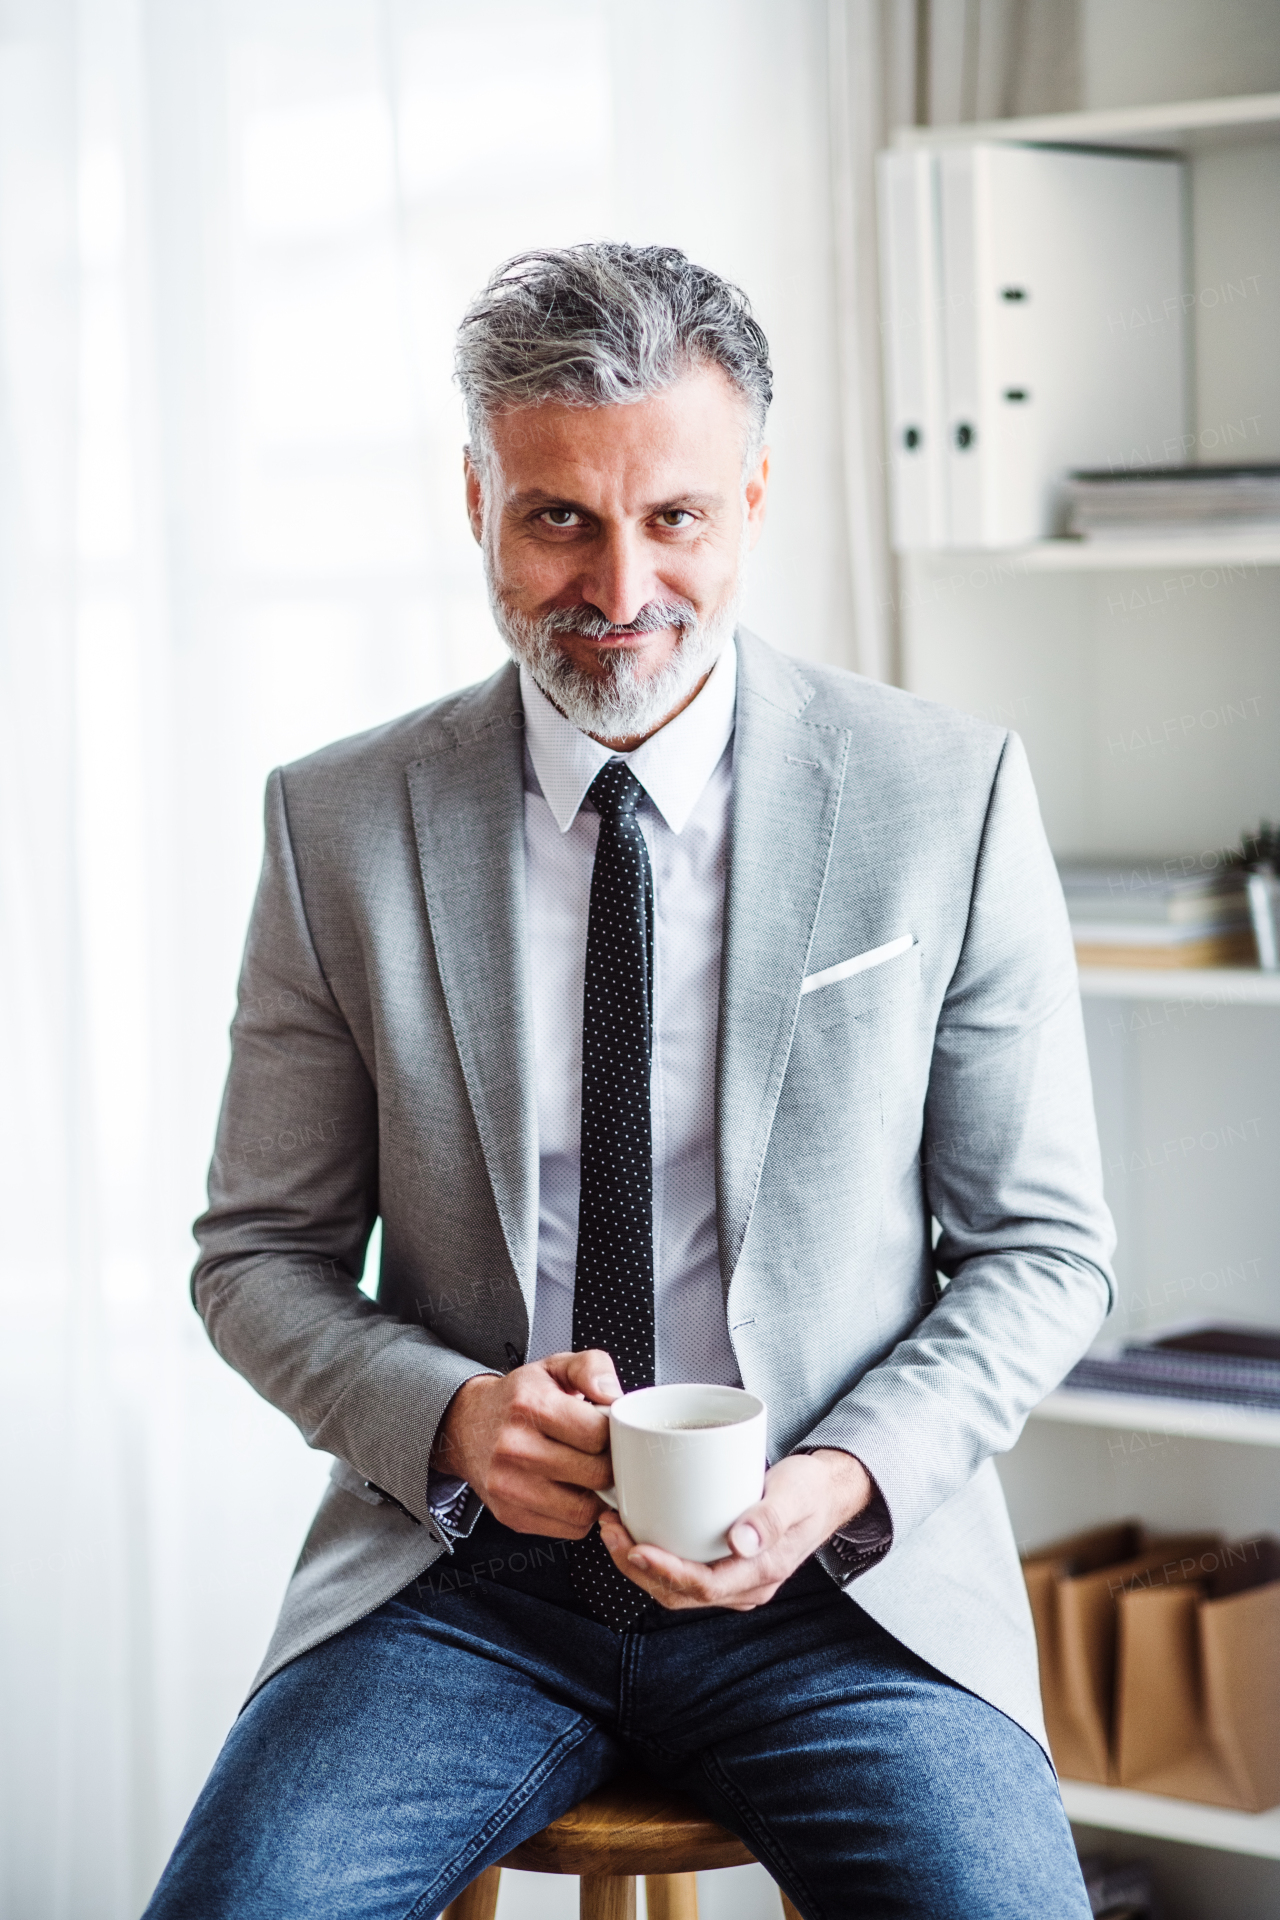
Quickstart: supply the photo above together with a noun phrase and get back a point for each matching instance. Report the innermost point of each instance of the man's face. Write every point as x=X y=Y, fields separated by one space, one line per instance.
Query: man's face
x=614 y=539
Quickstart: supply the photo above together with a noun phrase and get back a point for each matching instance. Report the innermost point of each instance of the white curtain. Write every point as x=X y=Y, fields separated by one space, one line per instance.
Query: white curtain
x=235 y=237
x=992 y=59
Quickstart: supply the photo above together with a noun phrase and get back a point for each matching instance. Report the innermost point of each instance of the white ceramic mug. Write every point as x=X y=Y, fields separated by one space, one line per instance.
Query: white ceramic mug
x=687 y=1461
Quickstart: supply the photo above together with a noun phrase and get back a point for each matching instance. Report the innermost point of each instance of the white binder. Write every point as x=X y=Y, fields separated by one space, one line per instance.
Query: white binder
x=1062 y=334
x=912 y=348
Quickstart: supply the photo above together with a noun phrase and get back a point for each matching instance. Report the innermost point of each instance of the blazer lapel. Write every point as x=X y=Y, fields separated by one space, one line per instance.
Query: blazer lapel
x=467 y=796
x=788 y=778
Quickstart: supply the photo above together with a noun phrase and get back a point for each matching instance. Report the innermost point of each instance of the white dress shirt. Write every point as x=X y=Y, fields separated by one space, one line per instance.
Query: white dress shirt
x=686 y=771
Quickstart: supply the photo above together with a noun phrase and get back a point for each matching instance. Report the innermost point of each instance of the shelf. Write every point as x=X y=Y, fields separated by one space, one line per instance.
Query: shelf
x=1123 y=1811
x=1183 y=986
x=1172 y=554
x=1148 y=1413
x=1185 y=127
x=1172 y=551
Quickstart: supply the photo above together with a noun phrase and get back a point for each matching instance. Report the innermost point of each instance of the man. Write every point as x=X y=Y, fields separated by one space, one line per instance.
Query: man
x=659 y=995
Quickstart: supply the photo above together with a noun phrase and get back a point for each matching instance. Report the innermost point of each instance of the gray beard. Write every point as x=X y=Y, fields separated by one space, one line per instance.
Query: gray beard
x=622 y=700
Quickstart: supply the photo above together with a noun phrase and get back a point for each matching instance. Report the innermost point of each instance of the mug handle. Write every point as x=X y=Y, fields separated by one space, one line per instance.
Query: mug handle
x=610 y=1497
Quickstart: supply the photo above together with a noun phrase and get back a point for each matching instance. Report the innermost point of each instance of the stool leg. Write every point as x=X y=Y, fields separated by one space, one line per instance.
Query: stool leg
x=479 y=1901
x=671 y=1896
x=607 y=1896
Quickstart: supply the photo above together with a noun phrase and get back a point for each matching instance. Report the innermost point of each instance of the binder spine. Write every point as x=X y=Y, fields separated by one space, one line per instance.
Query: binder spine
x=1026 y=331
x=912 y=347
x=968 y=454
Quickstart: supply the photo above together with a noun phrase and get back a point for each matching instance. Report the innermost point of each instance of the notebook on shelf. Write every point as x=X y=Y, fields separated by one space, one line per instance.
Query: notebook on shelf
x=1173 y=502
x=1228 y=1365
x=1150 y=911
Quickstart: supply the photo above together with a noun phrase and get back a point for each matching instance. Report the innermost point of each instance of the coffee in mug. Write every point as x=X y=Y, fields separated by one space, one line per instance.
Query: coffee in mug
x=687 y=1462
x=693 y=1426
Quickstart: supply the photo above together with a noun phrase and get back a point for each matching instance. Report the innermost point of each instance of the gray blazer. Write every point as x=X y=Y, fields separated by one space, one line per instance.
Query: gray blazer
x=383 y=1065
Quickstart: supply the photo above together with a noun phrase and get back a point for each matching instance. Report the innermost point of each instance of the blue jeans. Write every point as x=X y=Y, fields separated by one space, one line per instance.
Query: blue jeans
x=378 y=1774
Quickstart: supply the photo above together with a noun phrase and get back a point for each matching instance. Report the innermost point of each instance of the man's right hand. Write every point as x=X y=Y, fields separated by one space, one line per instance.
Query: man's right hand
x=534 y=1443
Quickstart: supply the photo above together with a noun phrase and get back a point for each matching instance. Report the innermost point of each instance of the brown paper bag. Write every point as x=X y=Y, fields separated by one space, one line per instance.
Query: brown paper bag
x=1073 y=1587
x=1198 y=1681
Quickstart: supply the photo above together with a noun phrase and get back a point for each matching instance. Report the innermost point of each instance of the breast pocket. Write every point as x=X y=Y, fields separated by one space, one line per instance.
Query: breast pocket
x=857 y=963
x=864 y=996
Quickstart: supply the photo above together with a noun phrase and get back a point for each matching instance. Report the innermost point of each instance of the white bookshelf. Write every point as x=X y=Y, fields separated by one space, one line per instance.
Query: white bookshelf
x=1172 y=552
x=1189 y=1821
x=1049 y=640
x=1189 y=126
x=1150 y=1413
x=1205 y=987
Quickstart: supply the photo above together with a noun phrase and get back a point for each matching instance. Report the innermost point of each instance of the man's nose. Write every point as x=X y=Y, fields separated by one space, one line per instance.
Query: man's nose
x=619 y=579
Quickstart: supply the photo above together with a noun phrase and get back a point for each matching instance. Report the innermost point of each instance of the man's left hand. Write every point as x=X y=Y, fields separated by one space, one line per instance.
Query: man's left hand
x=807 y=1497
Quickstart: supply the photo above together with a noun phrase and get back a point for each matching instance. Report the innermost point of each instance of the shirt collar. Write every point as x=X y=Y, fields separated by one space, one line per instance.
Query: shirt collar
x=673 y=765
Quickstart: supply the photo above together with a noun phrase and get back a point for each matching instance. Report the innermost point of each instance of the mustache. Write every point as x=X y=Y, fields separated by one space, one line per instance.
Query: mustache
x=591 y=624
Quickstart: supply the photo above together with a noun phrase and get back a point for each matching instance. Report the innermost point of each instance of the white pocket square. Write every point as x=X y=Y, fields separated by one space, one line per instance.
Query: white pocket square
x=873 y=957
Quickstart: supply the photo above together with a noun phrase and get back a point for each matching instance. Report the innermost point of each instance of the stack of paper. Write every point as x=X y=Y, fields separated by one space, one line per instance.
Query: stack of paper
x=1238 y=1367
x=1156 y=502
x=1151 y=912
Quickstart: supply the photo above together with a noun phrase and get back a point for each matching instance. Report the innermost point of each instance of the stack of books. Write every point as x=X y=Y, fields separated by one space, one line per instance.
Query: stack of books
x=1233 y=1366
x=1149 y=912
x=1156 y=502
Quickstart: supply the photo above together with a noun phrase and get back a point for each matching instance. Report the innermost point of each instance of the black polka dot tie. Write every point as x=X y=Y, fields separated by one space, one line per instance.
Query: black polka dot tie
x=613 y=1277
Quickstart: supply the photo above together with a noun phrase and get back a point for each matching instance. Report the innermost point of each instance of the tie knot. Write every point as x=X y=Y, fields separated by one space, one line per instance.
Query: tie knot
x=615 y=793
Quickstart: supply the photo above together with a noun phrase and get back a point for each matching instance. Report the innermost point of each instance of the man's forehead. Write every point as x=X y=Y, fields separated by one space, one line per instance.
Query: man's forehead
x=698 y=422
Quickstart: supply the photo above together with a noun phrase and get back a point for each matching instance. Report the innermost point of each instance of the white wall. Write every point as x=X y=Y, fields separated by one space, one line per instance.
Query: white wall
x=723 y=151
x=1138 y=52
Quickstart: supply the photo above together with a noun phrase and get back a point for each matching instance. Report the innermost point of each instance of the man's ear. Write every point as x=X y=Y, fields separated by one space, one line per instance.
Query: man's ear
x=475 y=496
x=757 y=493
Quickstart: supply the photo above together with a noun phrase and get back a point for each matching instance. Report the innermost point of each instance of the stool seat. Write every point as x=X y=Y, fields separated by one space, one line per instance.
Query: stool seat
x=631 y=1826
x=624 y=1829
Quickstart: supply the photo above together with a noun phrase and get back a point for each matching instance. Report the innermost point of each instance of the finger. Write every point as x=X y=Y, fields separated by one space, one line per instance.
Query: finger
x=547 y=1459
x=540 y=1403
x=540 y=1506
x=678 y=1595
x=620 y=1546
x=541 y=1526
x=526 y=1441
x=710 y=1585
x=673 y=1581
x=592 y=1373
x=574 y=1423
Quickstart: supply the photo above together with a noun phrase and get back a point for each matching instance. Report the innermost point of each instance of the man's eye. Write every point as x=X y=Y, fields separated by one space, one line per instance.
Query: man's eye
x=560 y=517
x=675 y=517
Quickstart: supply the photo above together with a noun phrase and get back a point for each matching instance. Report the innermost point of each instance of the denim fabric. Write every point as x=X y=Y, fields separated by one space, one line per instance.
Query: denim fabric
x=376 y=1775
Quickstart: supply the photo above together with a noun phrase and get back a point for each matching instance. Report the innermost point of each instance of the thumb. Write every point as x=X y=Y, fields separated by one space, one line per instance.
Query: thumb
x=759 y=1527
x=591 y=1373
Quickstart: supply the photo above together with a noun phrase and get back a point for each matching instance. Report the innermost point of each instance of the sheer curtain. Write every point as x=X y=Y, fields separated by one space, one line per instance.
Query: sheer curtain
x=235 y=237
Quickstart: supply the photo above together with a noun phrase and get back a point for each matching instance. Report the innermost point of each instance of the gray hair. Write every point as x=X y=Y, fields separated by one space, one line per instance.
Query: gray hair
x=604 y=324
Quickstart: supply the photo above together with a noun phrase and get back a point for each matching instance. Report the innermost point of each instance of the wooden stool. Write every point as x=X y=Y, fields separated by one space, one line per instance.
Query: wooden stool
x=625 y=1828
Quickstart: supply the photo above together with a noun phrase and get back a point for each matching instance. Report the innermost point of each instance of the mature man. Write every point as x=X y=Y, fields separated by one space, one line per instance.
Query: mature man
x=659 y=995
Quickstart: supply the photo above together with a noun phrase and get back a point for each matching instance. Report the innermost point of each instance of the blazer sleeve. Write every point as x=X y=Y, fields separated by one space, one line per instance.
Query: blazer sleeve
x=293 y=1195
x=1013 y=1176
